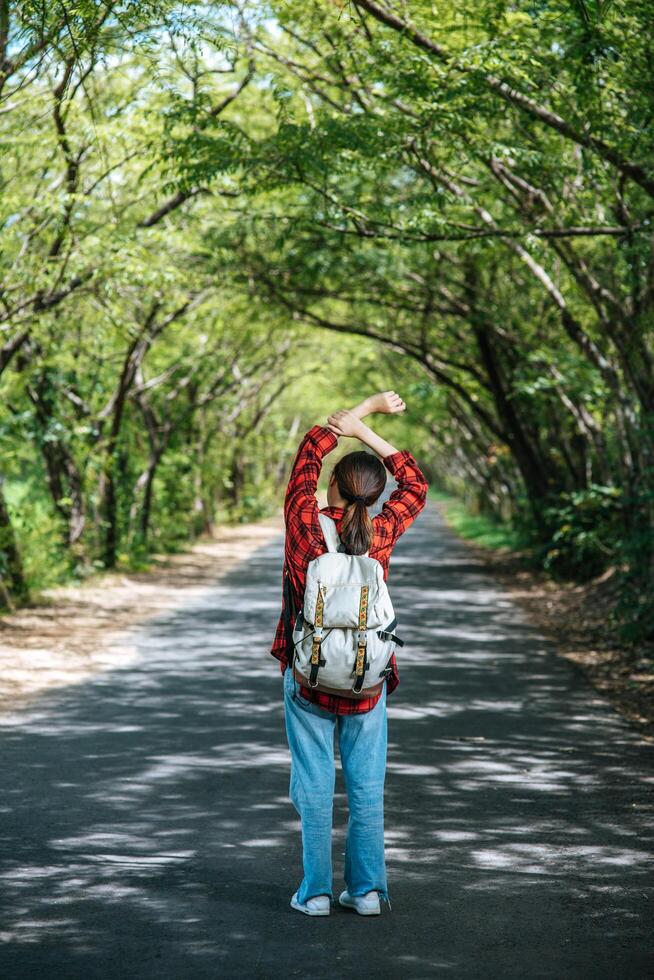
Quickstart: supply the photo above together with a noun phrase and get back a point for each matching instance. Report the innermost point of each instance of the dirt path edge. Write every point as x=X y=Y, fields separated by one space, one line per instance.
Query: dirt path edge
x=574 y=618
x=70 y=632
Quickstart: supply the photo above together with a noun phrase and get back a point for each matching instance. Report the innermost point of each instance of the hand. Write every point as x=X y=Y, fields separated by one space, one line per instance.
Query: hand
x=386 y=402
x=344 y=423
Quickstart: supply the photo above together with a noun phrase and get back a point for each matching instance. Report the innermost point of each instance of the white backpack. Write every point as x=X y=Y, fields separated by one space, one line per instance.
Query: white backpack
x=343 y=636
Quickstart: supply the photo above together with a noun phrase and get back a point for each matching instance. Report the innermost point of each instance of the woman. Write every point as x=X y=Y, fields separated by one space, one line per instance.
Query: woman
x=312 y=716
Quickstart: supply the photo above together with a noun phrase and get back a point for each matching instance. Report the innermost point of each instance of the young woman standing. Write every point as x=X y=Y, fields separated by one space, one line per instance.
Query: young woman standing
x=312 y=716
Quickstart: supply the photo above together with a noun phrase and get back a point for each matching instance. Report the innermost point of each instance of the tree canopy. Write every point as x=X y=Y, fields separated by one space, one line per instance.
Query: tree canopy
x=222 y=219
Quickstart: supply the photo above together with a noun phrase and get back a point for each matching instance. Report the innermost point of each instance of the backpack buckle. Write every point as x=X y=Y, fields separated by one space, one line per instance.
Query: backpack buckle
x=362 y=638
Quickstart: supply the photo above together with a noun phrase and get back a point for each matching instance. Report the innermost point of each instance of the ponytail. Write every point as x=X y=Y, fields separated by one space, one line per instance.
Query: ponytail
x=361 y=478
x=356 y=528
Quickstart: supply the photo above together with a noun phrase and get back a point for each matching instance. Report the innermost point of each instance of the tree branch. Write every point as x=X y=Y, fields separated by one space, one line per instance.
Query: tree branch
x=516 y=98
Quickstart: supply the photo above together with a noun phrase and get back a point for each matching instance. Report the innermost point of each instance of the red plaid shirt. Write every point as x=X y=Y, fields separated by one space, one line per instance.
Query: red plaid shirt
x=305 y=540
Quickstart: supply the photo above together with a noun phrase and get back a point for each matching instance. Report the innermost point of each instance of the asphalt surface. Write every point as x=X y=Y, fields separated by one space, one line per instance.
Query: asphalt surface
x=146 y=829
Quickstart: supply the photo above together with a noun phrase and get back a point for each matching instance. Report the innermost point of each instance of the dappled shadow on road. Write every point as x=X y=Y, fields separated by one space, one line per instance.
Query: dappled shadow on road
x=147 y=828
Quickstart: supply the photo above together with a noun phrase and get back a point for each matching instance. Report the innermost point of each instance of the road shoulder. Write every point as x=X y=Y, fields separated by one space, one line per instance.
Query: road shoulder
x=71 y=632
x=574 y=618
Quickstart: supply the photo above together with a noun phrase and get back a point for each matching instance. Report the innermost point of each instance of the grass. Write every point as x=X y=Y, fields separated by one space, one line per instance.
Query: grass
x=478 y=528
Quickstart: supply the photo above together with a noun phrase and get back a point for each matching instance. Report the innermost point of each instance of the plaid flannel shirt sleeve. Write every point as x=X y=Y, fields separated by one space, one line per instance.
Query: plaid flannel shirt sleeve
x=300 y=504
x=404 y=504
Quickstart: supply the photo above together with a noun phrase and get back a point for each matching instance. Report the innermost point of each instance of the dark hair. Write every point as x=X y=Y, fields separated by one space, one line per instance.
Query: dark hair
x=361 y=478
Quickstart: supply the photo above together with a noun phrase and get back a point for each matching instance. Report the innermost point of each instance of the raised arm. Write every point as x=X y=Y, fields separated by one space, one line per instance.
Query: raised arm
x=300 y=503
x=320 y=440
x=349 y=422
x=409 y=497
x=300 y=500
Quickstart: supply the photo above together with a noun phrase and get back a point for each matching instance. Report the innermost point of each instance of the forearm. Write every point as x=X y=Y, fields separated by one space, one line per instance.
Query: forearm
x=373 y=441
x=363 y=408
x=349 y=422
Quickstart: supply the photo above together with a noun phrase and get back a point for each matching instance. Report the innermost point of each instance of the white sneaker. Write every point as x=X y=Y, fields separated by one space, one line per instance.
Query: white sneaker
x=363 y=904
x=318 y=905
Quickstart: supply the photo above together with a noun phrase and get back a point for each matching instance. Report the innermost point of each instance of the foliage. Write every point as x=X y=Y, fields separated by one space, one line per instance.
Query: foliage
x=481 y=530
x=587 y=532
x=222 y=220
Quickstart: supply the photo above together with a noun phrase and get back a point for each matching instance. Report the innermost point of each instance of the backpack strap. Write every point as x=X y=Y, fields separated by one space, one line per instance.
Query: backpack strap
x=332 y=539
x=388 y=634
x=361 y=663
x=316 y=660
x=288 y=615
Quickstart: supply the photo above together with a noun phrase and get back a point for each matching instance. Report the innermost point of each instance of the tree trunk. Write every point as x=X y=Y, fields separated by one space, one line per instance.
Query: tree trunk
x=536 y=475
x=11 y=567
x=63 y=477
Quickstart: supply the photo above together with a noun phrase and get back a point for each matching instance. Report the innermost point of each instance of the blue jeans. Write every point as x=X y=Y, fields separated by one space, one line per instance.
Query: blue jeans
x=362 y=746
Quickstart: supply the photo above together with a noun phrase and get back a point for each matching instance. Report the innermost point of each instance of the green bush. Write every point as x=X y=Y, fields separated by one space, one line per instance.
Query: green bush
x=585 y=532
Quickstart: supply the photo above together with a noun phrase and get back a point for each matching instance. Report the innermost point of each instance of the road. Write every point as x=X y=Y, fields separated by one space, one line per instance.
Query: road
x=146 y=829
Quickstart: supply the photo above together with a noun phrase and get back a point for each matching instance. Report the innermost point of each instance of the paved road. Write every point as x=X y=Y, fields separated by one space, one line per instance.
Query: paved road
x=146 y=829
